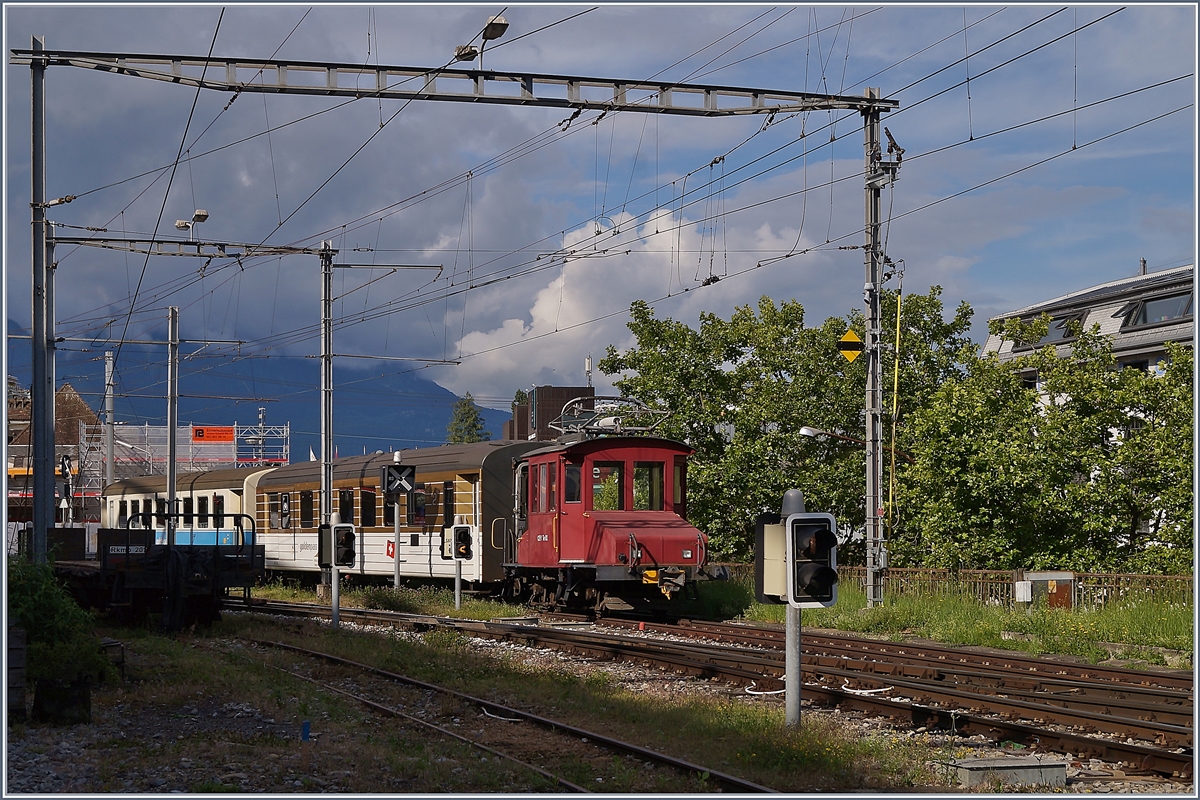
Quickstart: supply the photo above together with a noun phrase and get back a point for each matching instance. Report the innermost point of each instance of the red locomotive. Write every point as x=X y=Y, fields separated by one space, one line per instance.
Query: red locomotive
x=601 y=520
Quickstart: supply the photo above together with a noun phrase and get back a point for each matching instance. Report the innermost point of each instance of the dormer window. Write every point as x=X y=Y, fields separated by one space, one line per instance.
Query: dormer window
x=1157 y=310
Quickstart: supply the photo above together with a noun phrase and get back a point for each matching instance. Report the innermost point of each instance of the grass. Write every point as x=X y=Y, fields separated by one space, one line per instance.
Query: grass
x=359 y=752
x=1139 y=629
x=1136 y=627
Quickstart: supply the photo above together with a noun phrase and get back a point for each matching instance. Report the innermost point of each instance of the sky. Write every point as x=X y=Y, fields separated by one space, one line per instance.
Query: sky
x=1046 y=149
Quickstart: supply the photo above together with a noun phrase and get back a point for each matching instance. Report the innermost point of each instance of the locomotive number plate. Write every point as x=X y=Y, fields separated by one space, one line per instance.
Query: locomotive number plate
x=120 y=549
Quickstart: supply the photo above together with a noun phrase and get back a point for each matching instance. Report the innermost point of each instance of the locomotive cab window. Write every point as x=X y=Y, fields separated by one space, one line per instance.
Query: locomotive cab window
x=679 y=488
x=648 y=486
x=608 y=486
x=572 y=472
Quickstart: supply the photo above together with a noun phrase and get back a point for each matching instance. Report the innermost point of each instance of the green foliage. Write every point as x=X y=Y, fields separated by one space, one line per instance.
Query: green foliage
x=466 y=423
x=741 y=390
x=521 y=398
x=1090 y=471
x=60 y=642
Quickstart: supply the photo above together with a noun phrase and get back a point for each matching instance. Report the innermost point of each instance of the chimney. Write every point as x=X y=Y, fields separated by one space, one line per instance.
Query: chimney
x=1143 y=272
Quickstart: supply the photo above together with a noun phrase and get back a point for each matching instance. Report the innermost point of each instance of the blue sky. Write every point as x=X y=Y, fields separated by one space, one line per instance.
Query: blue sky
x=1019 y=185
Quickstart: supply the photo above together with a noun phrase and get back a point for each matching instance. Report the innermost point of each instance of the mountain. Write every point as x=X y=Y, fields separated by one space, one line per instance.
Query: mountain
x=373 y=409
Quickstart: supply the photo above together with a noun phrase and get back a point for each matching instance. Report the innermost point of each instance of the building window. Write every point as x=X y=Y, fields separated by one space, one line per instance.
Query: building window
x=1156 y=310
x=1058 y=331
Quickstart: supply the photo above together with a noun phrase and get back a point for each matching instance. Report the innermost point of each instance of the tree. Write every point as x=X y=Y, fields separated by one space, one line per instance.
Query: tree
x=740 y=390
x=521 y=398
x=1089 y=470
x=466 y=423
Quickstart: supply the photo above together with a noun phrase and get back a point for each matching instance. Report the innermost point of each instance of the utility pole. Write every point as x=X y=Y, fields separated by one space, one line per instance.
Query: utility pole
x=172 y=416
x=326 y=254
x=43 y=341
x=109 y=434
x=878 y=173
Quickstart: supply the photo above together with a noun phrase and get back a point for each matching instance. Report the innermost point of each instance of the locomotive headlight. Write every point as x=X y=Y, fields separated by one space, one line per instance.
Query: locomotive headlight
x=687 y=553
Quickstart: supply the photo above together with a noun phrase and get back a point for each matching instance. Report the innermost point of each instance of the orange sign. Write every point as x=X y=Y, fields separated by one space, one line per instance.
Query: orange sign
x=211 y=433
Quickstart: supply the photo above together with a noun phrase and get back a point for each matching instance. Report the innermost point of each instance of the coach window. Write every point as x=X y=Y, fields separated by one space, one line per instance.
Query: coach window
x=571 y=475
x=448 y=508
x=160 y=511
x=647 y=486
x=218 y=509
x=553 y=487
x=389 y=509
x=367 y=506
x=416 y=505
x=306 y=508
x=202 y=512
x=273 y=511
x=122 y=514
x=187 y=512
x=608 y=486
x=285 y=510
x=346 y=505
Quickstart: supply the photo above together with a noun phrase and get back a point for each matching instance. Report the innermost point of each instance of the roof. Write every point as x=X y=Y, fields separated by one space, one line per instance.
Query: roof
x=69 y=410
x=1138 y=285
x=425 y=459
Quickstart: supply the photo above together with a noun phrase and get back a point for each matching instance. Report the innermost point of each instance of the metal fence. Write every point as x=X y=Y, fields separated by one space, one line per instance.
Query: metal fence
x=998 y=587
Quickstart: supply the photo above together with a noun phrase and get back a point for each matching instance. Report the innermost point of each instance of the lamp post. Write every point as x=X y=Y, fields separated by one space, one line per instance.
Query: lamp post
x=495 y=28
x=200 y=215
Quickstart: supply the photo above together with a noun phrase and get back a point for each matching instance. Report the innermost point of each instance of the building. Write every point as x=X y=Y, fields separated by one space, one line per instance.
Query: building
x=546 y=403
x=1140 y=314
x=80 y=444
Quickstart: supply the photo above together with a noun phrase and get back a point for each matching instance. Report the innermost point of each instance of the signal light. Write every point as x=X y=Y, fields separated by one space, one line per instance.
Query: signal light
x=812 y=560
x=343 y=545
x=462 y=542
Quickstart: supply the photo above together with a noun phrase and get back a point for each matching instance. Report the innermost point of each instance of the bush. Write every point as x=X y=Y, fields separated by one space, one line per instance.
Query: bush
x=60 y=642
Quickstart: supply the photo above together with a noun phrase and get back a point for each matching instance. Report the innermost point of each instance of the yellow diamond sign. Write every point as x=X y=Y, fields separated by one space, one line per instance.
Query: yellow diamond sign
x=850 y=345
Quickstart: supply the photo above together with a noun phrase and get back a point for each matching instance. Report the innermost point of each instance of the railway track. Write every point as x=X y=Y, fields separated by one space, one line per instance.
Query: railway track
x=493 y=713
x=1142 y=719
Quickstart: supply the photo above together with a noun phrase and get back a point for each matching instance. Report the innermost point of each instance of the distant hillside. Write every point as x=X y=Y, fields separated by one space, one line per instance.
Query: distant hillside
x=373 y=409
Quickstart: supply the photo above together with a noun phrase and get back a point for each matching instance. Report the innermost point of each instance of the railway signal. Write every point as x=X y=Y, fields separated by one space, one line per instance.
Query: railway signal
x=343 y=547
x=323 y=559
x=811 y=560
x=397 y=478
x=462 y=542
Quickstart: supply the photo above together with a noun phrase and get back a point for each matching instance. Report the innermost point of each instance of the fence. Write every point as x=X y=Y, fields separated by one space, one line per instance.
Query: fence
x=997 y=587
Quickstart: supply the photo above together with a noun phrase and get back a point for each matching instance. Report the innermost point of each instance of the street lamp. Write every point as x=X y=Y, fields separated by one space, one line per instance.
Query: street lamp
x=149 y=453
x=817 y=432
x=200 y=215
x=495 y=28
